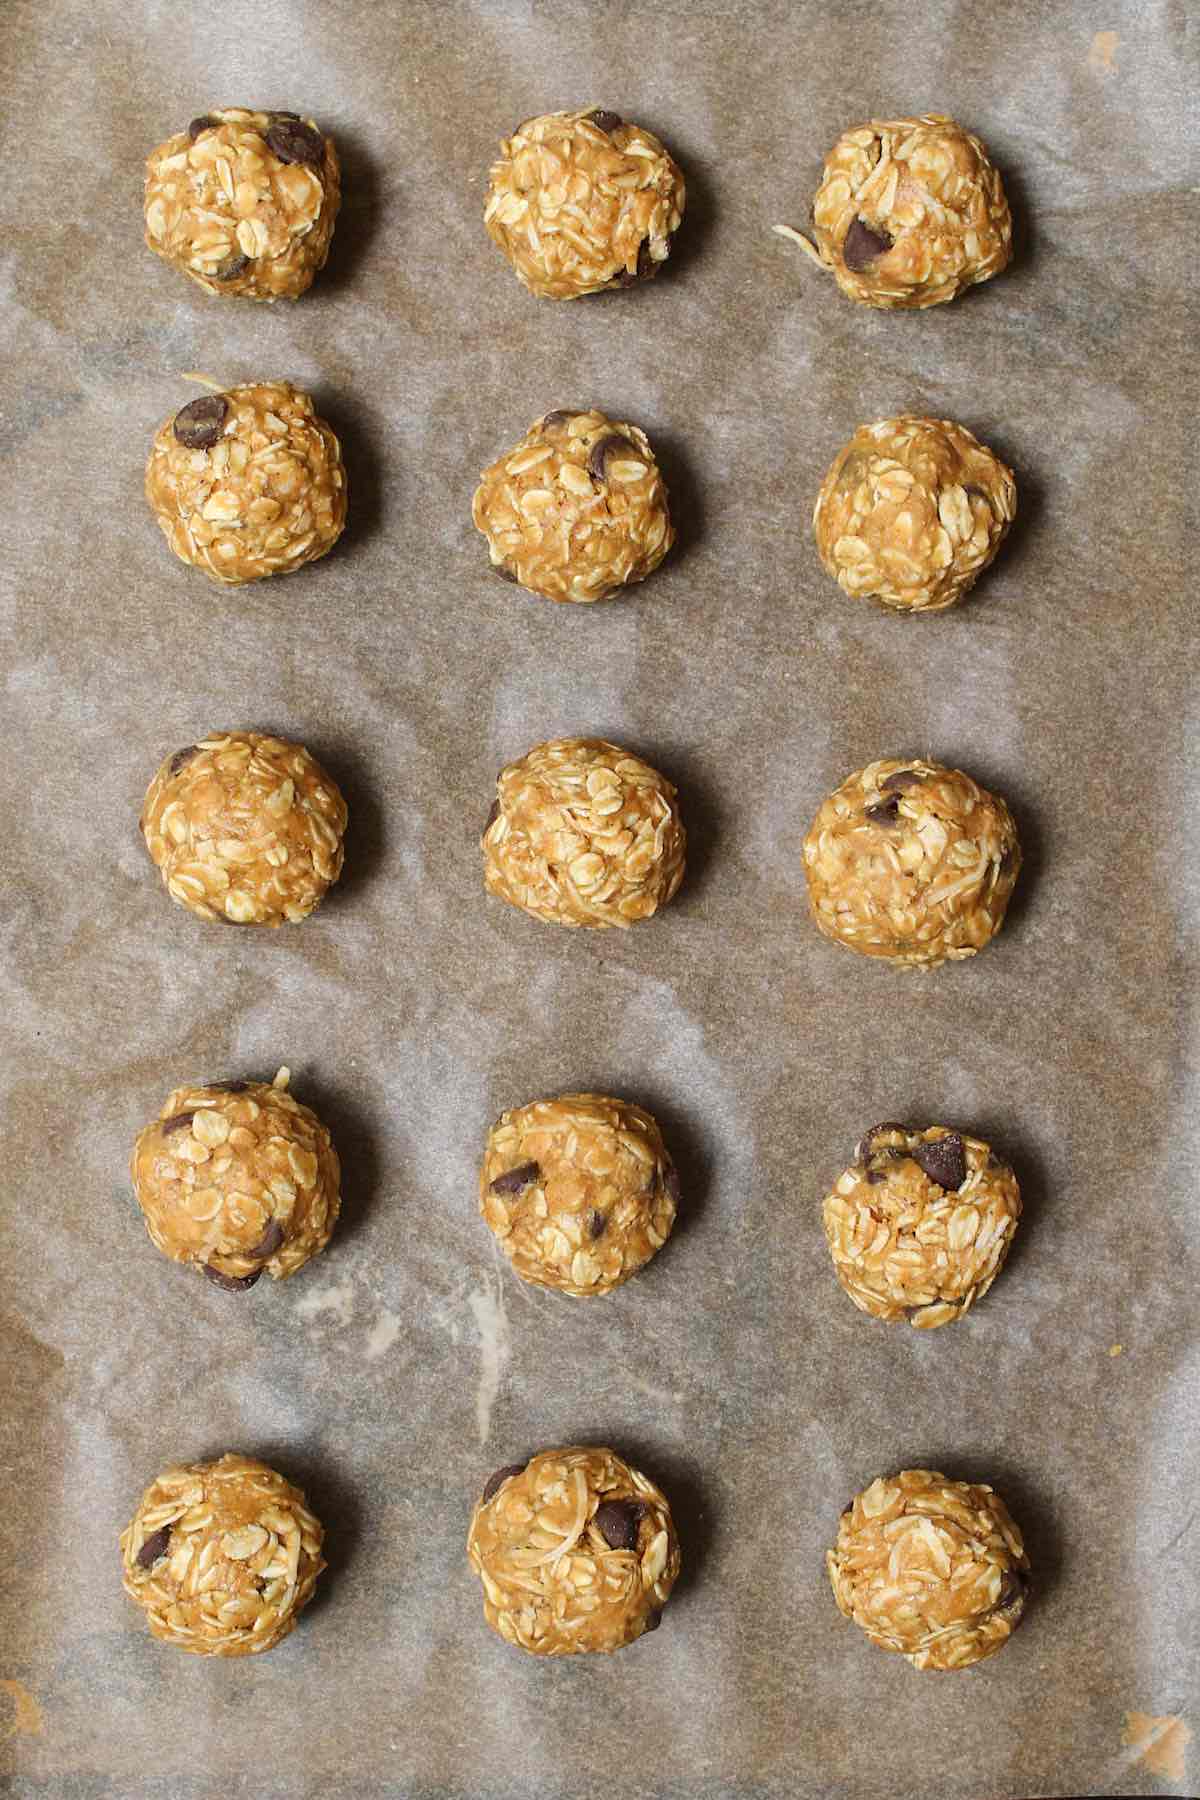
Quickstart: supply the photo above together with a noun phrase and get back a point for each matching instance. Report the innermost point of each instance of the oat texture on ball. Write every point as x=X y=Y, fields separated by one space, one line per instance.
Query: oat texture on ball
x=576 y=1551
x=931 y=1568
x=908 y=213
x=237 y=1179
x=580 y=201
x=920 y=1223
x=579 y=1190
x=222 y=1557
x=244 y=202
x=245 y=829
x=911 y=511
x=911 y=862
x=577 y=510
x=248 y=482
x=583 y=833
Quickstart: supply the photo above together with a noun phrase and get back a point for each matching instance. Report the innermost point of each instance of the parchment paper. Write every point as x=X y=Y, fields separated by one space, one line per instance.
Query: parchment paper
x=390 y=1377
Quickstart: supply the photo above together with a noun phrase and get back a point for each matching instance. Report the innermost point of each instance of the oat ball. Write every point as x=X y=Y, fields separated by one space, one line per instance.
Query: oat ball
x=583 y=833
x=578 y=510
x=245 y=829
x=920 y=1223
x=911 y=862
x=580 y=1191
x=244 y=202
x=222 y=1557
x=581 y=201
x=576 y=1552
x=911 y=512
x=932 y=1568
x=248 y=483
x=235 y=1177
x=909 y=213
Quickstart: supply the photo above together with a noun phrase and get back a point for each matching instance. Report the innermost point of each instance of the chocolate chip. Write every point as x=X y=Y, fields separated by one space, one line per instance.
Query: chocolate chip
x=1014 y=1591
x=943 y=1160
x=884 y=812
x=228 y=1087
x=647 y=267
x=154 y=1547
x=231 y=268
x=560 y=416
x=866 y=1143
x=504 y=572
x=602 y=449
x=292 y=141
x=672 y=1184
x=496 y=1481
x=513 y=1180
x=181 y=757
x=177 y=1122
x=232 y=1284
x=604 y=121
x=595 y=1222
x=617 y=1522
x=862 y=244
x=269 y=1242
x=198 y=424
x=901 y=781
x=205 y=122
x=653 y=1621
x=493 y=815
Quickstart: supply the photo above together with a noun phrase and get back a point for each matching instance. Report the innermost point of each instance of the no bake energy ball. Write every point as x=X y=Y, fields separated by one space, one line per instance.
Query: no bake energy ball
x=578 y=510
x=931 y=1568
x=235 y=1178
x=248 y=483
x=245 y=829
x=909 y=213
x=583 y=833
x=580 y=1191
x=580 y=201
x=244 y=202
x=222 y=1556
x=911 y=511
x=920 y=1223
x=576 y=1551
x=911 y=862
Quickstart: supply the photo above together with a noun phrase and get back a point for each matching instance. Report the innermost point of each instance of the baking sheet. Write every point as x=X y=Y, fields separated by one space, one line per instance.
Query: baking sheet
x=391 y=1376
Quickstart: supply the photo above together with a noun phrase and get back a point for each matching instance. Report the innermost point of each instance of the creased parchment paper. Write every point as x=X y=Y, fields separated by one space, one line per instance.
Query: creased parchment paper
x=391 y=1376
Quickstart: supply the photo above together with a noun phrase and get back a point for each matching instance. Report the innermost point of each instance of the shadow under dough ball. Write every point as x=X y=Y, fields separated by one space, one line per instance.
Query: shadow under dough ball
x=237 y=1179
x=248 y=483
x=576 y=1551
x=911 y=862
x=244 y=202
x=222 y=1557
x=580 y=201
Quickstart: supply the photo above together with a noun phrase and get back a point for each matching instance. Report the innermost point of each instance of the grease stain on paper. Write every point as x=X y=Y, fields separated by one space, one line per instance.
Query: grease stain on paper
x=1161 y=1743
x=491 y=1322
x=26 y=1716
x=1103 y=53
x=337 y=1299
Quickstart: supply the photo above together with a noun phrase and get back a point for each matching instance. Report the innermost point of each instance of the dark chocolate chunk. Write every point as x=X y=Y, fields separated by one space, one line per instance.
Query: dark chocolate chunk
x=944 y=1160
x=672 y=1184
x=513 y=1180
x=177 y=1122
x=493 y=815
x=602 y=449
x=558 y=417
x=182 y=757
x=269 y=1242
x=228 y=1087
x=595 y=1222
x=233 y=1284
x=205 y=122
x=154 y=1547
x=885 y=812
x=1014 y=1591
x=617 y=1522
x=198 y=424
x=647 y=267
x=231 y=268
x=866 y=1143
x=653 y=1621
x=496 y=1481
x=862 y=244
x=604 y=121
x=292 y=141
x=504 y=572
x=901 y=781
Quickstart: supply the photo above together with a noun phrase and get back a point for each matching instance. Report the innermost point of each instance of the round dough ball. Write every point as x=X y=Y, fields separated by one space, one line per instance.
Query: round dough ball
x=222 y=1557
x=248 y=483
x=244 y=828
x=580 y=1191
x=581 y=201
x=911 y=862
x=244 y=202
x=578 y=510
x=576 y=1552
x=583 y=833
x=911 y=511
x=235 y=1177
x=934 y=1569
x=920 y=1223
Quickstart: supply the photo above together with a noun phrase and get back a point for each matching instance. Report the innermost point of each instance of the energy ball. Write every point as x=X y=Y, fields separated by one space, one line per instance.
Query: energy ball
x=245 y=829
x=222 y=1557
x=581 y=201
x=920 y=1223
x=931 y=1568
x=911 y=862
x=235 y=1177
x=909 y=213
x=244 y=202
x=911 y=511
x=248 y=483
x=578 y=510
x=580 y=1191
x=576 y=1552
x=583 y=833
